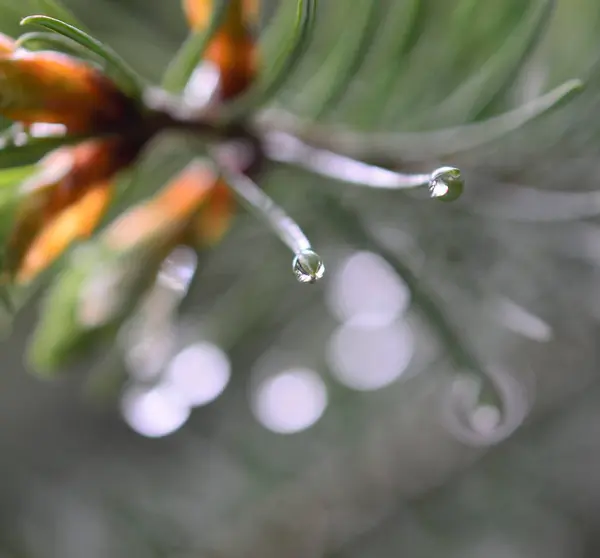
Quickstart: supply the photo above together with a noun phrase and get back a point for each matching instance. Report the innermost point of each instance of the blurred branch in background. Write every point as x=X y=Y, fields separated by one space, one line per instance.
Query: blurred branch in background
x=240 y=414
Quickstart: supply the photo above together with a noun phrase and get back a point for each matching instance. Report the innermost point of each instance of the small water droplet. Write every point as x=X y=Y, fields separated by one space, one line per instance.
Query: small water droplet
x=308 y=266
x=446 y=184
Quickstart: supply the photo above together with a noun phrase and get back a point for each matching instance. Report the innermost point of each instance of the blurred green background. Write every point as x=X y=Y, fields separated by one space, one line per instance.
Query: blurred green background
x=320 y=425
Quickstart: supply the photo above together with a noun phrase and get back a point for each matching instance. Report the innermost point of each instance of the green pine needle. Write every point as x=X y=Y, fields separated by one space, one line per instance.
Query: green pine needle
x=184 y=63
x=123 y=74
x=269 y=84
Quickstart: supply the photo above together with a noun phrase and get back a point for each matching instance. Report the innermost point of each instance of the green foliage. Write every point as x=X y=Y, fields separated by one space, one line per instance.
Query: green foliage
x=391 y=82
x=32 y=150
x=37 y=40
x=72 y=323
x=184 y=63
x=290 y=51
x=288 y=41
x=116 y=67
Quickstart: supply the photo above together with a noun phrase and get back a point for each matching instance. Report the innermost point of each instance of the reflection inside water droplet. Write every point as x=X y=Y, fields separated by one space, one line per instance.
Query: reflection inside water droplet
x=308 y=266
x=446 y=184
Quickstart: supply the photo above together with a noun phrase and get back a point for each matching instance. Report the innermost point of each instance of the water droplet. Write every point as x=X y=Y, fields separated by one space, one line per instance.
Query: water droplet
x=308 y=266
x=446 y=184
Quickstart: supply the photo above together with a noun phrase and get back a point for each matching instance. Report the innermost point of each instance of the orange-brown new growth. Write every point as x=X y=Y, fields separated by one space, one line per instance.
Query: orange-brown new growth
x=236 y=61
x=76 y=222
x=240 y=14
x=215 y=219
x=64 y=202
x=54 y=88
x=85 y=164
x=166 y=216
x=233 y=49
x=7 y=44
